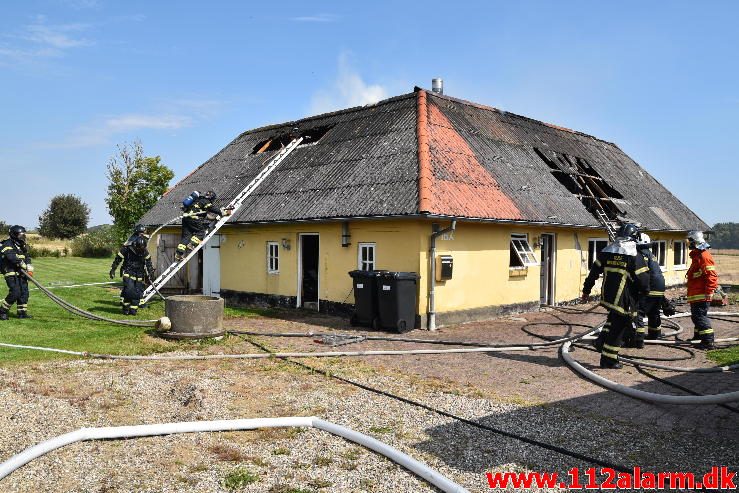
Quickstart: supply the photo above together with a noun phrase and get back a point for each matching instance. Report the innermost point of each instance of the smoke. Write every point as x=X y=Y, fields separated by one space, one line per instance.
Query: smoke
x=349 y=89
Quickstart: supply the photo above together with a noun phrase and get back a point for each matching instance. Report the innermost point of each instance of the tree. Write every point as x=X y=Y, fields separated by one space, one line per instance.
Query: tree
x=4 y=227
x=725 y=235
x=66 y=217
x=136 y=182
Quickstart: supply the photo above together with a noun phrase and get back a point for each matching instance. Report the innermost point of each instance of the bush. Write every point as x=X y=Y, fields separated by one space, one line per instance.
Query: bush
x=66 y=217
x=100 y=243
x=36 y=252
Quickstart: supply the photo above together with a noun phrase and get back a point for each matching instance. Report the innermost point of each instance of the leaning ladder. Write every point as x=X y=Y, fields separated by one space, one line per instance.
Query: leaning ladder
x=607 y=223
x=234 y=205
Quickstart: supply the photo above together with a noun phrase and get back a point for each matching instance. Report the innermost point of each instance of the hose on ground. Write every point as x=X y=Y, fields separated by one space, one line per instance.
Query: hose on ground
x=124 y=432
x=83 y=313
x=440 y=412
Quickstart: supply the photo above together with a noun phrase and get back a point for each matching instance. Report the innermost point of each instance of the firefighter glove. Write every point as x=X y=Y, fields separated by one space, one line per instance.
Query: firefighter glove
x=112 y=273
x=668 y=307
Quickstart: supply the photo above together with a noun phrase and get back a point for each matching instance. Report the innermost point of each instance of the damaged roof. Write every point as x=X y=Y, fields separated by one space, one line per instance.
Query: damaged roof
x=426 y=154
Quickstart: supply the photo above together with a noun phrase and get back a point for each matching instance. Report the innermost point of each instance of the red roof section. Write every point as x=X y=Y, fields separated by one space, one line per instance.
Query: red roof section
x=451 y=179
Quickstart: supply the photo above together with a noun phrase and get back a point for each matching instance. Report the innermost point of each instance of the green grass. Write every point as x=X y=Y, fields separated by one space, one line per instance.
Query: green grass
x=238 y=478
x=53 y=326
x=725 y=356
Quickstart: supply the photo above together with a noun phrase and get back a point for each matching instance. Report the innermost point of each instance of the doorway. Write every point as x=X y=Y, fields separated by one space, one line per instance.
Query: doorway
x=308 y=271
x=548 y=258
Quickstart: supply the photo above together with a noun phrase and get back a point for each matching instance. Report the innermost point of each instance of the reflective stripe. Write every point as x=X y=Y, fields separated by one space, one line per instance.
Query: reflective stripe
x=641 y=330
x=609 y=355
x=697 y=297
x=195 y=240
x=697 y=274
x=616 y=308
x=706 y=331
x=612 y=349
x=656 y=293
x=9 y=274
x=6 y=249
x=643 y=269
x=709 y=267
x=4 y=305
x=655 y=329
x=120 y=255
x=597 y=262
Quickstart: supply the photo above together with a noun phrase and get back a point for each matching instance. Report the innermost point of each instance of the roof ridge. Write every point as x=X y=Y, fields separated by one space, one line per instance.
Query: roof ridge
x=498 y=110
x=352 y=109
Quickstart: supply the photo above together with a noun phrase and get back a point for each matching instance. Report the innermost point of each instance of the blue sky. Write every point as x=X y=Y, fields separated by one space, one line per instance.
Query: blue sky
x=77 y=77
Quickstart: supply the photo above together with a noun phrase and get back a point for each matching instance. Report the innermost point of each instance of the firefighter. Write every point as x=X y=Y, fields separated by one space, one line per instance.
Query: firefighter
x=625 y=278
x=199 y=213
x=654 y=301
x=14 y=259
x=138 y=231
x=702 y=282
x=136 y=268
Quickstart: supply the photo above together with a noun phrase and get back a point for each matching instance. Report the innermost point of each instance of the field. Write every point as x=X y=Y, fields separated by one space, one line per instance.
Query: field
x=53 y=326
x=727 y=266
x=39 y=241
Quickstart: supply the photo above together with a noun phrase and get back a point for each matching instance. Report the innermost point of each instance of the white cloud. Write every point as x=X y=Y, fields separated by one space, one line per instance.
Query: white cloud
x=43 y=40
x=316 y=18
x=349 y=89
x=173 y=114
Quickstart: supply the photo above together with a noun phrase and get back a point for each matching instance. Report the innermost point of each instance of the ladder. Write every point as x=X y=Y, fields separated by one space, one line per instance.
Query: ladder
x=234 y=205
x=607 y=223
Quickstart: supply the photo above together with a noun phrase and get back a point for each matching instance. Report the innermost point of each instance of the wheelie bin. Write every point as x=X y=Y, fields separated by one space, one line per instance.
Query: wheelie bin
x=397 y=296
x=365 y=297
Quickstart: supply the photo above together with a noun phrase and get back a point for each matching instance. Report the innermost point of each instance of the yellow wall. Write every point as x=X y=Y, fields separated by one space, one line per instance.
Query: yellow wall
x=481 y=252
x=244 y=255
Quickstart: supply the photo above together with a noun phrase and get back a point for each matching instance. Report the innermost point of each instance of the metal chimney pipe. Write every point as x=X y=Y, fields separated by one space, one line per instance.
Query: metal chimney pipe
x=437 y=85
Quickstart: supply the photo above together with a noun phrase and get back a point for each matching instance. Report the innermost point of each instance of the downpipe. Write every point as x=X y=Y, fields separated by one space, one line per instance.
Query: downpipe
x=432 y=276
x=124 y=432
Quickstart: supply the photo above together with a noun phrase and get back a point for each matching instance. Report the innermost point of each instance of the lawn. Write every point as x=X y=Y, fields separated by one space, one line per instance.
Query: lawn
x=52 y=326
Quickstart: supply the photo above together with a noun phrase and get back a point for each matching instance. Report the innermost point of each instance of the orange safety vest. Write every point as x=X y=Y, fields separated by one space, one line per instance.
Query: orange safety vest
x=702 y=276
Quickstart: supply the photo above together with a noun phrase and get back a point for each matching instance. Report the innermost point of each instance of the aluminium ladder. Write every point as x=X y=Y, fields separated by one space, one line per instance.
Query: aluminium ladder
x=234 y=205
x=607 y=223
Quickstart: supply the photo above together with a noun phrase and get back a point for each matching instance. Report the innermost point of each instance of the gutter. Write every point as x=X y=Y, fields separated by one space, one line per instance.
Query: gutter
x=432 y=275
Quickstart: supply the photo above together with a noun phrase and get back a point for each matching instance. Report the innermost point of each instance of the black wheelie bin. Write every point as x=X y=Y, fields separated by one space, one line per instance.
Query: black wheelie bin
x=397 y=298
x=365 y=297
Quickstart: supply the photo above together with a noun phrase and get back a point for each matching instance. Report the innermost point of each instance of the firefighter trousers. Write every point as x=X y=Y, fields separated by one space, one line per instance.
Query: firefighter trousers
x=17 y=293
x=192 y=234
x=610 y=338
x=133 y=289
x=699 y=315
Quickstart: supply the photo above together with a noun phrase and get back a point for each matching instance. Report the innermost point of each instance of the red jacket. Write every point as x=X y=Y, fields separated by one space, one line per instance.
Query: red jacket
x=702 y=276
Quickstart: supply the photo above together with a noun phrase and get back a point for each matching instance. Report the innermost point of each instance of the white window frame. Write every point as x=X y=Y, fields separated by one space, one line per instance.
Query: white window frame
x=273 y=257
x=593 y=247
x=520 y=246
x=683 y=265
x=361 y=263
x=660 y=246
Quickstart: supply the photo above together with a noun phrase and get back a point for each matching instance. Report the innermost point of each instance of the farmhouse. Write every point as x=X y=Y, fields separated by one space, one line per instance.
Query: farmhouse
x=369 y=186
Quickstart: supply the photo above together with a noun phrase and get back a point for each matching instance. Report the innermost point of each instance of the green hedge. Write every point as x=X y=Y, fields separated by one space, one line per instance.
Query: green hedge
x=100 y=243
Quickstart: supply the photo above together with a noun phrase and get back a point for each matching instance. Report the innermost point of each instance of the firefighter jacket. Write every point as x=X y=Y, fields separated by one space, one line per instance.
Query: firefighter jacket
x=13 y=257
x=702 y=276
x=625 y=277
x=135 y=265
x=656 y=279
x=201 y=213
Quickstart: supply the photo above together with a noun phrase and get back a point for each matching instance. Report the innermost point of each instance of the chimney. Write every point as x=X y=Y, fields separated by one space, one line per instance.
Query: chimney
x=437 y=85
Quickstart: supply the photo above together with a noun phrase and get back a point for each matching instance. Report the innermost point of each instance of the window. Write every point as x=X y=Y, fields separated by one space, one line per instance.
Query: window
x=679 y=259
x=521 y=253
x=366 y=256
x=658 y=250
x=273 y=257
x=594 y=248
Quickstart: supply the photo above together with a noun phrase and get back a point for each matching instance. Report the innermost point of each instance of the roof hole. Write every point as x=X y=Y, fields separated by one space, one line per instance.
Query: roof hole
x=277 y=142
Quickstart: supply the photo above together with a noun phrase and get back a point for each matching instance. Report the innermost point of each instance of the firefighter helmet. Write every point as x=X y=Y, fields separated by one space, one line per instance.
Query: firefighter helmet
x=696 y=240
x=628 y=231
x=210 y=195
x=644 y=239
x=18 y=233
x=139 y=229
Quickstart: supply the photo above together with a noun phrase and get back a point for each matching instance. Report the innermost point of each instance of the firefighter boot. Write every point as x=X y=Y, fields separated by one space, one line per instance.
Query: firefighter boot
x=3 y=314
x=598 y=343
x=609 y=363
x=24 y=314
x=706 y=342
x=126 y=309
x=133 y=311
x=654 y=333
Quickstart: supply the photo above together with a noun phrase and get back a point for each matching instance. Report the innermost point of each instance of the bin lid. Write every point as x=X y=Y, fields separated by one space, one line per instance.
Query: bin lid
x=366 y=274
x=410 y=276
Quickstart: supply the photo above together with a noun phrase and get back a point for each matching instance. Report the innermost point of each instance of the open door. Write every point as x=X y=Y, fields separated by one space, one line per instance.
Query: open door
x=212 y=267
x=308 y=271
x=547 y=269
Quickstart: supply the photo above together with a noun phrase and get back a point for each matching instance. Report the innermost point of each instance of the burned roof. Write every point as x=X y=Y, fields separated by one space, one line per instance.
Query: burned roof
x=426 y=154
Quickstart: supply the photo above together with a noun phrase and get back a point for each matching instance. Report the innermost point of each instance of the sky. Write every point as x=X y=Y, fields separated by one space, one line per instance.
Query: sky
x=79 y=77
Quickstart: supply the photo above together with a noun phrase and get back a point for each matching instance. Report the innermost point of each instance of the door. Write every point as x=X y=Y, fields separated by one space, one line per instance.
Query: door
x=308 y=272
x=548 y=250
x=212 y=267
x=166 y=247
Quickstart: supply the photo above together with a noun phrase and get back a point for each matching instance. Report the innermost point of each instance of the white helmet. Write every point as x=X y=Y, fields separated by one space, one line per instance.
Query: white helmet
x=644 y=239
x=696 y=240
